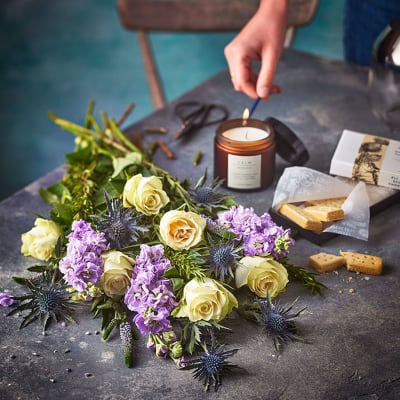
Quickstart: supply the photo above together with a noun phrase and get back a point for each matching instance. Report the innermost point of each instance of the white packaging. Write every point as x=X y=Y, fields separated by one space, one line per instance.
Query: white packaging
x=368 y=158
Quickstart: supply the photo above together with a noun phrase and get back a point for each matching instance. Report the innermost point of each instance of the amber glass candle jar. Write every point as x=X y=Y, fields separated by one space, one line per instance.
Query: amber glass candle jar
x=244 y=154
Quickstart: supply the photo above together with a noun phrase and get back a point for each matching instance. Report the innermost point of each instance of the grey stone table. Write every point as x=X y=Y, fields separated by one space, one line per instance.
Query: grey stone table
x=354 y=349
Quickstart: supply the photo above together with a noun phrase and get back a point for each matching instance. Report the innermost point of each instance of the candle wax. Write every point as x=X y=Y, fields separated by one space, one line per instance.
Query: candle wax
x=245 y=134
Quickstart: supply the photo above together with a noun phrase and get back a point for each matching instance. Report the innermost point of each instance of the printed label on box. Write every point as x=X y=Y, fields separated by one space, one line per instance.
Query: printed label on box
x=368 y=158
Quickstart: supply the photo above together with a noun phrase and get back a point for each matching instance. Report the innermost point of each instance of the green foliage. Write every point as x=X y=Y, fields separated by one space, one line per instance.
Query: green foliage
x=306 y=278
x=185 y=266
x=102 y=161
x=193 y=332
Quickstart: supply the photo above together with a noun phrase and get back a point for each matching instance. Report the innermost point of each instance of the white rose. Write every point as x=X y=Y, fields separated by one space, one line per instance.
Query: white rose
x=145 y=194
x=181 y=230
x=41 y=240
x=261 y=275
x=206 y=299
x=117 y=272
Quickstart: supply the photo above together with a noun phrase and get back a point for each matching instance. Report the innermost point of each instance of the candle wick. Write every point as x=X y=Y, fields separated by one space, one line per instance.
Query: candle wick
x=246 y=135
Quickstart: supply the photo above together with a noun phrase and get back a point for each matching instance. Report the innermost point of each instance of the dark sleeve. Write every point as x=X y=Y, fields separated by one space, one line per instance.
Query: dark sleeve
x=364 y=20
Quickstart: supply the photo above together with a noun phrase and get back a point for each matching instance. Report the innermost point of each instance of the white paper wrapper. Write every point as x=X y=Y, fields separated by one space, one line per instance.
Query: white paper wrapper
x=298 y=184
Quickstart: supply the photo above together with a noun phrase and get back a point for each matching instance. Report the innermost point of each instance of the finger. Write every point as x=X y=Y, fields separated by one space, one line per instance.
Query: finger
x=265 y=85
x=242 y=75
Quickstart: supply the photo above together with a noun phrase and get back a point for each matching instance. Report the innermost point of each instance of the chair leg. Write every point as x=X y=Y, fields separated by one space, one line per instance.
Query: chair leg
x=289 y=38
x=153 y=78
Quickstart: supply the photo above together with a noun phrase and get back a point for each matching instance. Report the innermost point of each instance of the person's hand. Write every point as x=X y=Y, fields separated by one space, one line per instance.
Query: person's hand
x=261 y=39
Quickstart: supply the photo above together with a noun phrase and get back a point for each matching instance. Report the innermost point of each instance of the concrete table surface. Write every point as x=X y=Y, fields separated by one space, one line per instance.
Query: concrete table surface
x=354 y=341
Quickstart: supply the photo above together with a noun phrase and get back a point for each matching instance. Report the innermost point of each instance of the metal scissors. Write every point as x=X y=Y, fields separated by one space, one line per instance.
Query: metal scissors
x=195 y=115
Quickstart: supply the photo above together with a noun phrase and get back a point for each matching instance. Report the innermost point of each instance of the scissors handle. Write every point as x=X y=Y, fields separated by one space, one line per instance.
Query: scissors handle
x=195 y=115
x=188 y=109
x=207 y=118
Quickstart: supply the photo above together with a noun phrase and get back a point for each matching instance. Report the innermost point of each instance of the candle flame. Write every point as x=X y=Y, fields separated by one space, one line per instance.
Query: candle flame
x=245 y=116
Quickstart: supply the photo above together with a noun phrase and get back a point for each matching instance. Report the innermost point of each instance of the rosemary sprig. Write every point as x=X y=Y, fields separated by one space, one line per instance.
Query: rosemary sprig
x=306 y=278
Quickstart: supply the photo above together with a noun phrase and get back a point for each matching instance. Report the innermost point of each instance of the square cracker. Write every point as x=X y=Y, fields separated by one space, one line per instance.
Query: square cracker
x=363 y=263
x=325 y=262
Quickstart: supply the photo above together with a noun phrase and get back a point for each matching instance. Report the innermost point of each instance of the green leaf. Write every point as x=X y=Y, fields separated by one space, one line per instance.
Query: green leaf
x=178 y=284
x=95 y=303
x=109 y=328
x=113 y=187
x=81 y=155
x=62 y=214
x=103 y=164
x=48 y=197
x=109 y=304
x=38 y=268
x=58 y=248
x=107 y=316
x=196 y=333
x=59 y=189
x=20 y=280
x=121 y=163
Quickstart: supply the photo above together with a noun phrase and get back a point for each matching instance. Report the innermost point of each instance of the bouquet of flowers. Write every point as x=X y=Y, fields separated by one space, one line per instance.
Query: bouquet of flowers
x=153 y=256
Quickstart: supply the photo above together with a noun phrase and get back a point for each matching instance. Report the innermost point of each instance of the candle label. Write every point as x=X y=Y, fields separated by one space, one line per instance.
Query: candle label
x=244 y=172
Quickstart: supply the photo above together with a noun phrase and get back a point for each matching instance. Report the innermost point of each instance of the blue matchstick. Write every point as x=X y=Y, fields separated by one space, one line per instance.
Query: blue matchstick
x=254 y=106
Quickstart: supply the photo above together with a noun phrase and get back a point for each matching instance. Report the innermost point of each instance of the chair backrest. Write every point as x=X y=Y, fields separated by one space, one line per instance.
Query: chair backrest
x=202 y=15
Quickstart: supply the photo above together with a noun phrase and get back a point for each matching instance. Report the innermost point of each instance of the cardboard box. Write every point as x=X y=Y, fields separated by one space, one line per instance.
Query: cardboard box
x=364 y=157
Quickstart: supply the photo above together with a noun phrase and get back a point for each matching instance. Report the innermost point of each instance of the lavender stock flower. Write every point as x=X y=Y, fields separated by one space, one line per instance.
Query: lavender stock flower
x=83 y=263
x=260 y=234
x=150 y=293
x=6 y=300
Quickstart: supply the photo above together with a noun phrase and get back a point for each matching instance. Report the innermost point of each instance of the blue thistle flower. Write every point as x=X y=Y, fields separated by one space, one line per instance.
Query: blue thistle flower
x=223 y=258
x=121 y=228
x=45 y=300
x=279 y=322
x=207 y=195
x=211 y=365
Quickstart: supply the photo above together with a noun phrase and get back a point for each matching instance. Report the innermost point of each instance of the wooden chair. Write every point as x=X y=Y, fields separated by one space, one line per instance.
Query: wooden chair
x=144 y=16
